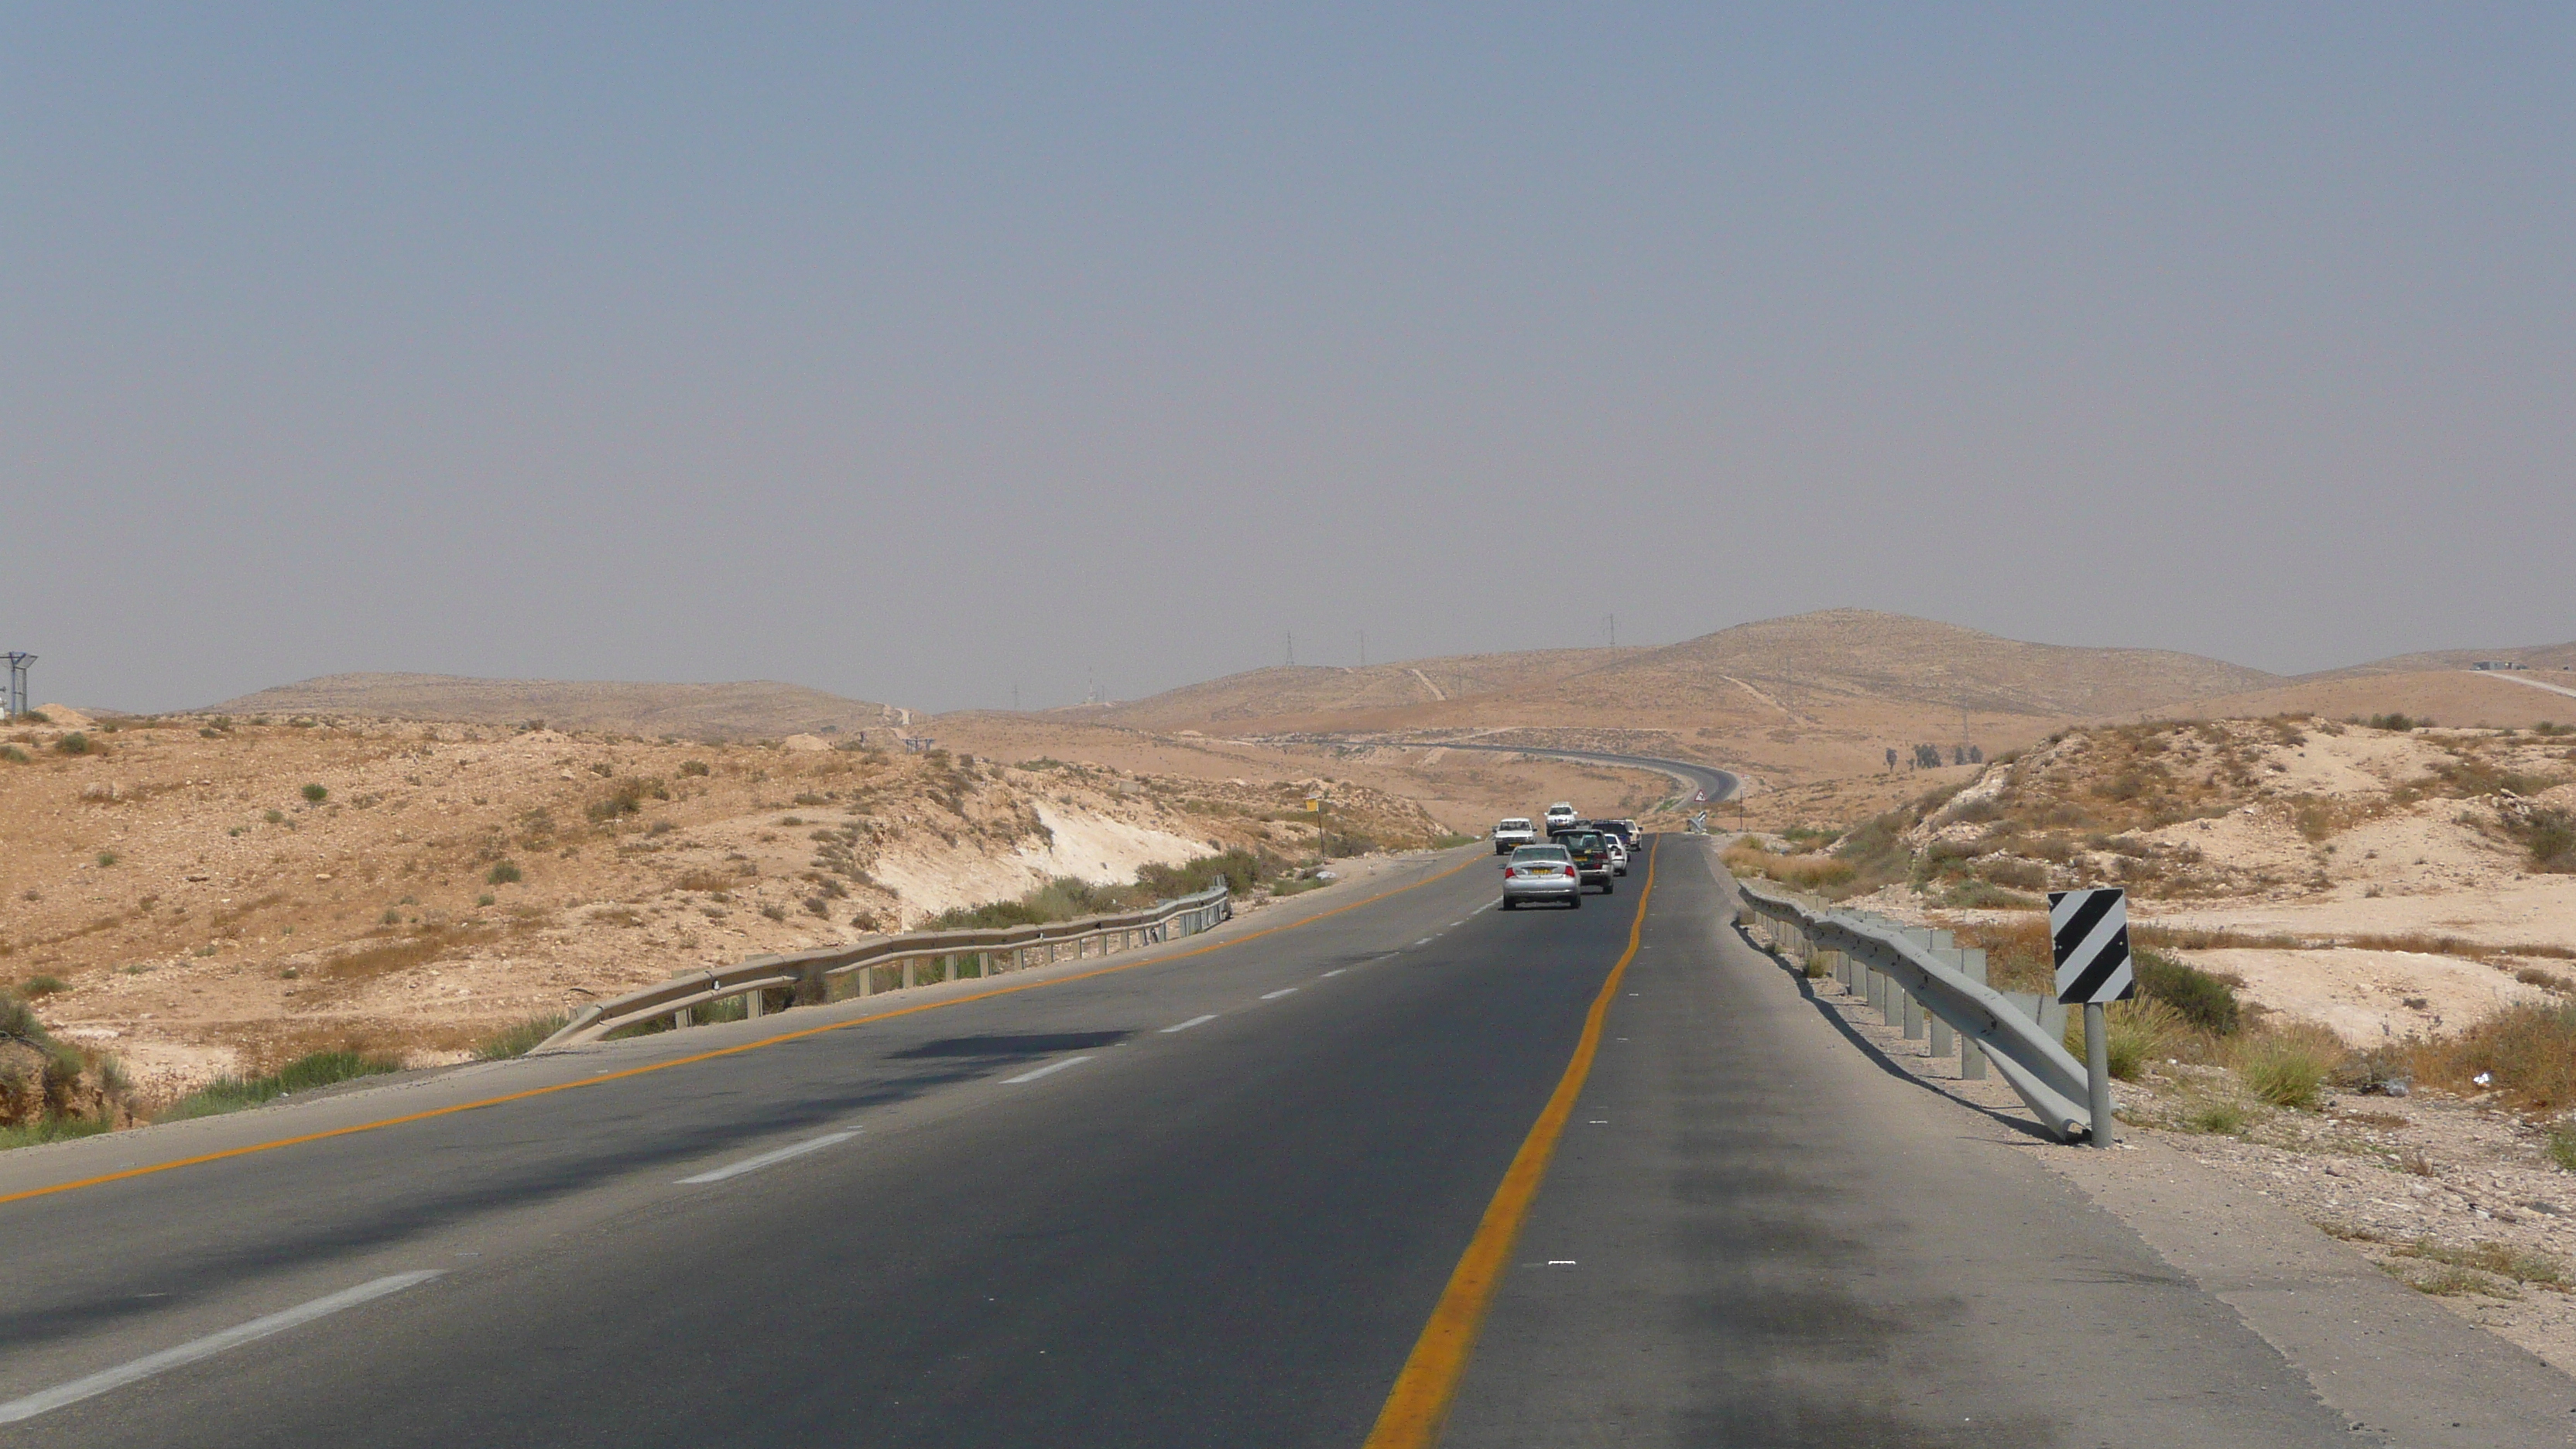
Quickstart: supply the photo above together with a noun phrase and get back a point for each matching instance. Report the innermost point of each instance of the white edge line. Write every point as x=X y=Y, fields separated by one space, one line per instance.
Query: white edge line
x=1336 y=971
x=1275 y=995
x=765 y=1159
x=1050 y=1067
x=207 y=1347
x=1427 y=940
x=1186 y=1025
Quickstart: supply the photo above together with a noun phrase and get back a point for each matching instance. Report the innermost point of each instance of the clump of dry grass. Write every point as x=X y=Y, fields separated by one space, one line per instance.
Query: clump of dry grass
x=2286 y=1065
x=2140 y=1031
x=2526 y=1051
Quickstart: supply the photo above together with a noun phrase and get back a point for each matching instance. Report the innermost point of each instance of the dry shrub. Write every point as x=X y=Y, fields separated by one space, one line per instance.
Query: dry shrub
x=373 y=961
x=2017 y=952
x=1799 y=872
x=704 y=880
x=2287 y=1065
x=2527 y=1051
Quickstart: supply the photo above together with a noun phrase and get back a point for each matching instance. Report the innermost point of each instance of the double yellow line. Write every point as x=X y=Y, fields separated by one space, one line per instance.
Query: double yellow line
x=1419 y=1404
x=784 y=1037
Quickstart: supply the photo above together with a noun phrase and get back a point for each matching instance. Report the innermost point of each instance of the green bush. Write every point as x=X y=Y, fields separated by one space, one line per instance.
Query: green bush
x=502 y=873
x=232 y=1094
x=316 y=794
x=693 y=767
x=2203 y=1000
x=2561 y=1145
x=74 y=743
x=42 y=985
x=2217 y=1115
x=13 y=754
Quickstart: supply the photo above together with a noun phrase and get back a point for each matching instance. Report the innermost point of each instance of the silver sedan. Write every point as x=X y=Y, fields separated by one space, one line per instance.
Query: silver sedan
x=1541 y=873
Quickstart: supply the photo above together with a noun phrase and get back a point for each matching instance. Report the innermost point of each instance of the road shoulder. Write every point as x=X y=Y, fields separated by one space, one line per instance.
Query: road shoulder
x=2377 y=1351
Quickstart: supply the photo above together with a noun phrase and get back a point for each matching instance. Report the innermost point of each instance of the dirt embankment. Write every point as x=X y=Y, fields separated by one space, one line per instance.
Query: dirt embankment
x=207 y=896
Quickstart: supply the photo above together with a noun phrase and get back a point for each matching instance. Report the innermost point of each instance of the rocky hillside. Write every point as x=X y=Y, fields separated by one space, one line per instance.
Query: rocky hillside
x=205 y=895
x=2239 y=808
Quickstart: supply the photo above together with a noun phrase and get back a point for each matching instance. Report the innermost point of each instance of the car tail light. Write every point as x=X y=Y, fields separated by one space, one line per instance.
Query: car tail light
x=1508 y=872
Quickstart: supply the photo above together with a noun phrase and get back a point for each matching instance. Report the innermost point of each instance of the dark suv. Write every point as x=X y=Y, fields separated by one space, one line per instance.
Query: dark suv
x=1591 y=858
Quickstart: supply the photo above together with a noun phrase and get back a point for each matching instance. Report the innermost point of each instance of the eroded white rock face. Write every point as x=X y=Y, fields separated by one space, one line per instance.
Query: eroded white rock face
x=1101 y=848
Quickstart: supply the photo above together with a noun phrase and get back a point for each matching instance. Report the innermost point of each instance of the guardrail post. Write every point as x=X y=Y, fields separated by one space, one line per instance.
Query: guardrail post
x=684 y=1018
x=1942 y=1036
x=908 y=971
x=1972 y=1057
x=751 y=1004
x=1912 y=1007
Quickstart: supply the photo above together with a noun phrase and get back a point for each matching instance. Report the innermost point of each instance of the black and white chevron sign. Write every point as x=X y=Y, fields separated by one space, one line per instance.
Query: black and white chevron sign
x=2090 y=933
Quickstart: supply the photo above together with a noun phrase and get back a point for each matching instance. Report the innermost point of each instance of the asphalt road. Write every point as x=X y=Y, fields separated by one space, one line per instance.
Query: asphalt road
x=1707 y=780
x=1209 y=1200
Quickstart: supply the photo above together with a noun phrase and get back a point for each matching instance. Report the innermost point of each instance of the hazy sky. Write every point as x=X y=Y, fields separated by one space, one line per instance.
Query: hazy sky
x=922 y=353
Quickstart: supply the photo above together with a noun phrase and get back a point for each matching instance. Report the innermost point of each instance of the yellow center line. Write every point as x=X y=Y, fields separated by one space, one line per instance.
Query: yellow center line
x=1418 y=1406
x=708 y=1056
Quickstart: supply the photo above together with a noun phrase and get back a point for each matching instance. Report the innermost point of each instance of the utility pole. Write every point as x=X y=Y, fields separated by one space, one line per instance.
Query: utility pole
x=14 y=702
x=1614 y=631
x=1292 y=649
x=1015 y=699
x=1363 y=649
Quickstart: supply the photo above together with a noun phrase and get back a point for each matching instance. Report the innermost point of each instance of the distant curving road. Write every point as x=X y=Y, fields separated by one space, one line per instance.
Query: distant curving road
x=1715 y=783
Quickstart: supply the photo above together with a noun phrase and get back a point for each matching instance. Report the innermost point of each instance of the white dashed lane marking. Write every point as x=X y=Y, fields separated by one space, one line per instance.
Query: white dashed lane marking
x=1048 y=1070
x=768 y=1159
x=207 y=1347
x=1186 y=1025
x=1275 y=995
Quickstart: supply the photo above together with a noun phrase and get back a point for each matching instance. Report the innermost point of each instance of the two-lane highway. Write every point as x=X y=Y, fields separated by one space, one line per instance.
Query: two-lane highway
x=1225 y=1198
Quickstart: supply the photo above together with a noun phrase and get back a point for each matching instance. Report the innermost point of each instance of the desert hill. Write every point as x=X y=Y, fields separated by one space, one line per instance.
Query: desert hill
x=1301 y=691
x=1776 y=672
x=1863 y=653
x=745 y=710
x=2554 y=658
x=2443 y=696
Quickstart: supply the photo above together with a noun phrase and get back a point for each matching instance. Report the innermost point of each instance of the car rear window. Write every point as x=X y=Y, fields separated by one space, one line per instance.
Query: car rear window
x=1539 y=852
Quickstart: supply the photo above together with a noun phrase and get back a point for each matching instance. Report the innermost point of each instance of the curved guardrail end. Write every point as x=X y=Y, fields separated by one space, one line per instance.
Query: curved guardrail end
x=570 y=1031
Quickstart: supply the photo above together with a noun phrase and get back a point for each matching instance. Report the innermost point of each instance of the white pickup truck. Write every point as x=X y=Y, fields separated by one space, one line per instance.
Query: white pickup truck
x=1511 y=833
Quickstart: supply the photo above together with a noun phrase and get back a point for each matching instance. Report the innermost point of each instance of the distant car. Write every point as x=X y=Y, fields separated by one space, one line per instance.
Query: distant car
x=1591 y=852
x=1541 y=873
x=1560 y=817
x=1512 y=834
x=1618 y=852
x=1624 y=830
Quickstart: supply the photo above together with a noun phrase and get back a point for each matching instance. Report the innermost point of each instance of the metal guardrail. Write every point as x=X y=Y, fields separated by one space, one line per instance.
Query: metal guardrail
x=1917 y=979
x=841 y=972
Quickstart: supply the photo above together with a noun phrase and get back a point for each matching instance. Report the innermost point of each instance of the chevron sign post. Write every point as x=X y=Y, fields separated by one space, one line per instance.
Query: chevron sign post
x=2089 y=936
